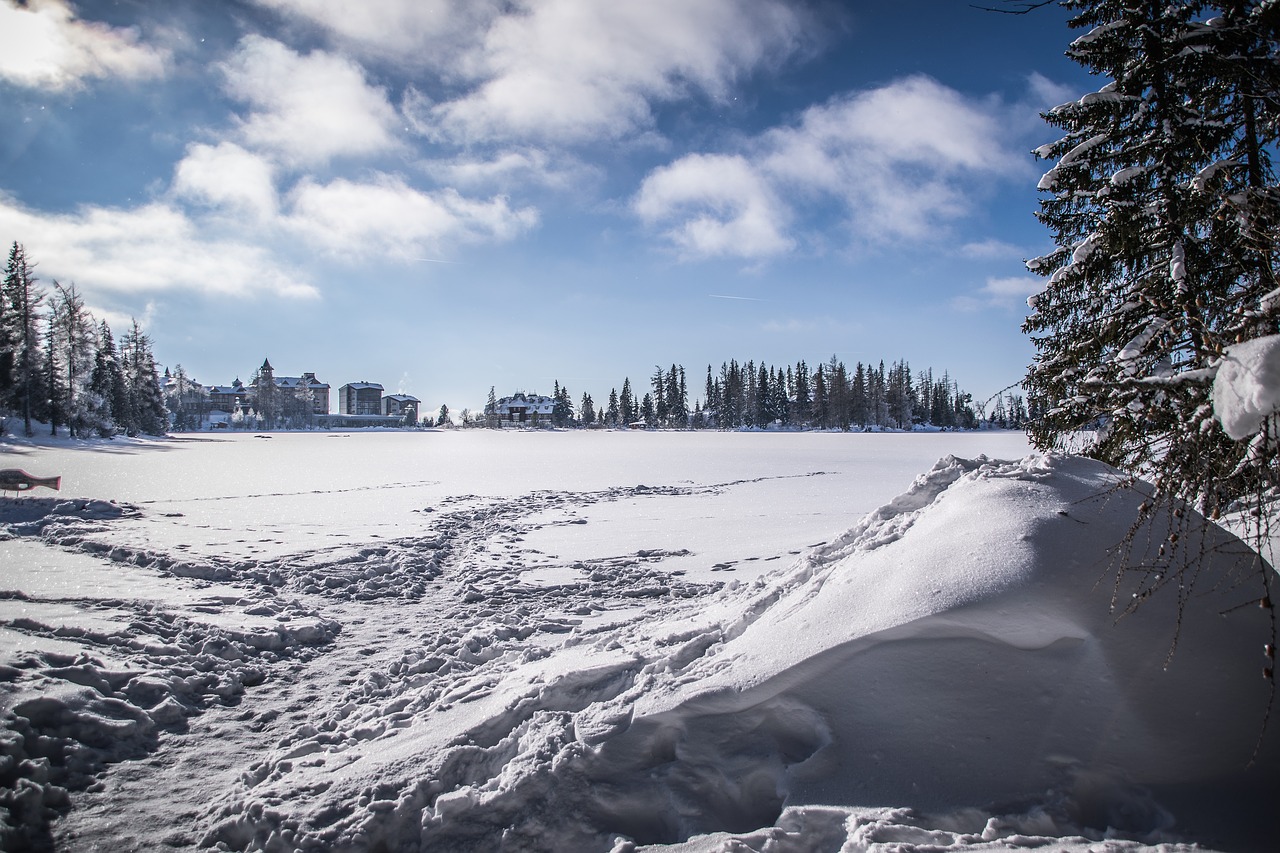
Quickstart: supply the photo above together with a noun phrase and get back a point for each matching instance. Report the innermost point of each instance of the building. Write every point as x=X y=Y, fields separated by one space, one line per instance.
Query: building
x=398 y=404
x=227 y=398
x=360 y=398
x=319 y=390
x=522 y=409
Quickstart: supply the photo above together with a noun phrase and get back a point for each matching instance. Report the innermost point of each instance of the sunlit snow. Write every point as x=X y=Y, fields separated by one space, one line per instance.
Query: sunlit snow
x=556 y=641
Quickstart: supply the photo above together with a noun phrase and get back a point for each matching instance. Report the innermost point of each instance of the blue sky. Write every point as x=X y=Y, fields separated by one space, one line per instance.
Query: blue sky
x=448 y=195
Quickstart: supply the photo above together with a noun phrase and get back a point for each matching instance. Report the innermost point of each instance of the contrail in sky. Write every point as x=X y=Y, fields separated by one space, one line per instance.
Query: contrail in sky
x=434 y=261
x=743 y=298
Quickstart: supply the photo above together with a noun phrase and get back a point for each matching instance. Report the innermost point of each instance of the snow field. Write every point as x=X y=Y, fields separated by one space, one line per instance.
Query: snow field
x=526 y=642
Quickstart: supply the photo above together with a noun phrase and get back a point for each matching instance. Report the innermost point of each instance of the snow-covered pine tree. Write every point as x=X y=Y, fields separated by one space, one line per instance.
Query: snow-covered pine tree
x=613 y=415
x=627 y=407
x=491 y=410
x=648 y=412
x=77 y=341
x=1163 y=205
x=147 y=412
x=23 y=297
x=108 y=401
x=53 y=399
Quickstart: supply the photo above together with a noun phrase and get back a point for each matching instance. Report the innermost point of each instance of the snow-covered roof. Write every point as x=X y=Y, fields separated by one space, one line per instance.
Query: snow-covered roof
x=296 y=381
x=402 y=398
x=362 y=386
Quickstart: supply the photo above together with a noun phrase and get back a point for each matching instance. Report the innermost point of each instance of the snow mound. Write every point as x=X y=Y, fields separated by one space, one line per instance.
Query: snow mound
x=951 y=673
x=1246 y=390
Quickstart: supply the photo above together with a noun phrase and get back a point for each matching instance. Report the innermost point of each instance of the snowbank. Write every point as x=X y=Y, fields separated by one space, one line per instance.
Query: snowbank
x=1247 y=388
x=948 y=674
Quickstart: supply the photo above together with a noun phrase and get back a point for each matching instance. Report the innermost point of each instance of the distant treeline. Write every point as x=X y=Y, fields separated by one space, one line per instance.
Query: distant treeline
x=761 y=396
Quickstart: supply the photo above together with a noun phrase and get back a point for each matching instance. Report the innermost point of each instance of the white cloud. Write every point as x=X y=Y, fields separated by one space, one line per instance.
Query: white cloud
x=307 y=109
x=721 y=207
x=898 y=156
x=1009 y=293
x=148 y=249
x=572 y=71
x=990 y=248
x=523 y=166
x=388 y=217
x=417 y=32
x=1046 y=94
x=226 y=175
x=899 y=162
x=44 y=46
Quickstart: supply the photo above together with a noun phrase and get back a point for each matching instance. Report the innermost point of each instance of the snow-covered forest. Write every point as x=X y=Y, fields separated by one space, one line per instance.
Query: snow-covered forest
x=61 y=368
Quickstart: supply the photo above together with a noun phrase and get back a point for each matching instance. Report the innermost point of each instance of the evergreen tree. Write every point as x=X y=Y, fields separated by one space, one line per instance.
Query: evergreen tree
x=613 y=417
x=491 y=410
x=627 y=408
x=53 y=400
x=23 y=297
x=561 y=406
x=76 y=344
x=677 y=397
x=658 y=382
x=147 y=414
x=108 y=397
x=648 y=411
x=821 y=412
x=588 y=411
x=802 y=410
x=1164 y=206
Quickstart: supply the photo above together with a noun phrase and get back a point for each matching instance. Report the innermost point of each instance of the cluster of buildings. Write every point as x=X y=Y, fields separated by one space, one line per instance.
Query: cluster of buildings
x=300 y=400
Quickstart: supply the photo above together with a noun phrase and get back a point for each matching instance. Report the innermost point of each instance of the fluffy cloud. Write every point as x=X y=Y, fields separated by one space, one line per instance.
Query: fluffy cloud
x=307 y=109
x=227 y=176
x=569 y=71
x=522 y=167
x=897 y=156
x=417 y=32
x=1007 y=293
x=147 y=249
x=388 y=217
x=44 y=46
x=721 y=205
x=899 y=161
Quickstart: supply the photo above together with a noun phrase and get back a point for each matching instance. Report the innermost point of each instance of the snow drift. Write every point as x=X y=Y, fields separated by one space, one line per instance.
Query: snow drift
x=957 y=670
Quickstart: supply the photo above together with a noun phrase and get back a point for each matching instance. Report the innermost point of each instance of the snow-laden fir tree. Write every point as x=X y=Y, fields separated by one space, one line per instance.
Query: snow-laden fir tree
x=23 y=298
x=1163 y=205
x=76 y=345
x=147 y=412
x=108 y=403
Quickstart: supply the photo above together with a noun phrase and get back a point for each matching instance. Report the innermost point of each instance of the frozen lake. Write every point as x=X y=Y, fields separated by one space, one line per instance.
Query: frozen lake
x=475 y=640
x=758 y=494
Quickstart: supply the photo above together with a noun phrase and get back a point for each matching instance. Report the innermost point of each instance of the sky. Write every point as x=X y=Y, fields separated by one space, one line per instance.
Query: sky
x=445 y=196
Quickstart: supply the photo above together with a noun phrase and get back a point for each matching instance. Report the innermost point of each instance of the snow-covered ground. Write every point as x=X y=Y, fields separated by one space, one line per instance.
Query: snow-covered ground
x=607 y=641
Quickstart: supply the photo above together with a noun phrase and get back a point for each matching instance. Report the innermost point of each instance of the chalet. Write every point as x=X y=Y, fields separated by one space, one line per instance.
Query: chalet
x=228 y=398
x=360 y=398
x=525 y=410
x=398 y=404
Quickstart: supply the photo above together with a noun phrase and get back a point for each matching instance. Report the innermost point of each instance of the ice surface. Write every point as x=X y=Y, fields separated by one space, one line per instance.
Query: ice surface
x=601 y=641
